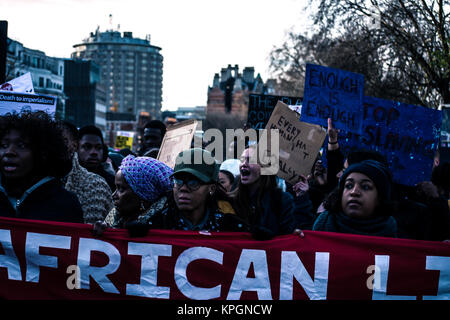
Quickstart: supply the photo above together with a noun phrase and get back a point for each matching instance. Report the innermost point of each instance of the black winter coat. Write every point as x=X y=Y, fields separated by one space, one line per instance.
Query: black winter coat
x=47 y=200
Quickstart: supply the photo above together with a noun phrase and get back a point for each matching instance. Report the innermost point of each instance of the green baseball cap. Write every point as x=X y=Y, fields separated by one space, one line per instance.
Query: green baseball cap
x=198 y=162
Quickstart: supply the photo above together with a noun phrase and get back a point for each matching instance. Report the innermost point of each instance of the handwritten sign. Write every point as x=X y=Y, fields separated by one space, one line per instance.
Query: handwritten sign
x=333 y=93
x=407 y=135
x=300 y=143
x=178 y=138
x=260 y=108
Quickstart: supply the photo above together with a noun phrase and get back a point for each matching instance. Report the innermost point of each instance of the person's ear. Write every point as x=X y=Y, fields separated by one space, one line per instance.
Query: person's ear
x=212 y=189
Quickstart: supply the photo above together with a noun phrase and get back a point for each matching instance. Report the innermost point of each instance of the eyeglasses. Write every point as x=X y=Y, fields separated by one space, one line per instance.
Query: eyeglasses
x=192 y=184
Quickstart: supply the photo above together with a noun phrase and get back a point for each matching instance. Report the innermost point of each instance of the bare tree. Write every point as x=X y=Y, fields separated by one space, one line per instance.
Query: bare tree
x=401 y=46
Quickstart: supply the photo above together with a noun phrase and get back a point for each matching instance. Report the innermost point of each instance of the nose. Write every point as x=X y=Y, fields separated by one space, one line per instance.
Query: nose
x=10 y=150
x=184 y=187
x=355 y=191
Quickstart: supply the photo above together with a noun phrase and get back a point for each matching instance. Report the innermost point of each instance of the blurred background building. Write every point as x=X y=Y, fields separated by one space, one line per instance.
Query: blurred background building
x=131 y=70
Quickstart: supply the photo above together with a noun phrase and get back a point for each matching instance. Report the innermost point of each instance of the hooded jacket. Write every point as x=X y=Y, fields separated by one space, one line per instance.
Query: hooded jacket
x=45 y=200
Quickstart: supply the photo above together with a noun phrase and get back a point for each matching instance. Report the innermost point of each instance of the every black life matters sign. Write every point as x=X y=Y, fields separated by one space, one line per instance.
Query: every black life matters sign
x=333 y=93
x=261 y=106
x=299 y=143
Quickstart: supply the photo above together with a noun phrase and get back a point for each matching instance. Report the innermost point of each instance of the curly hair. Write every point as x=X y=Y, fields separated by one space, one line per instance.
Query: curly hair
x=50 y=153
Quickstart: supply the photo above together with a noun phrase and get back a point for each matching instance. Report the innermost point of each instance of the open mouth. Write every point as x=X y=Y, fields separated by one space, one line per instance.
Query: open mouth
x=245 y=172
x=9 y=167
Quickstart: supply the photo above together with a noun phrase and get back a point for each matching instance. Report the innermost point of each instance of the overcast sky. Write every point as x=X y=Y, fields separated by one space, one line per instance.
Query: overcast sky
x=197 y=37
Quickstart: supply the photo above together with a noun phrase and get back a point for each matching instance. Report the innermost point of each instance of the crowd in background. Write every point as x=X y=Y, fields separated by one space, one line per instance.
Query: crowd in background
x=50 y=170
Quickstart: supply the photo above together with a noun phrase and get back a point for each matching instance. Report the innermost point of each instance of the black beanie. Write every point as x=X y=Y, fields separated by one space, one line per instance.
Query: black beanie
x=377 y=172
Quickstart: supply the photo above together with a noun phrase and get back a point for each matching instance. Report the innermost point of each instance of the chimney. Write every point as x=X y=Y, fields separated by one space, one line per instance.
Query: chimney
x=249 y=74
x=216 y=81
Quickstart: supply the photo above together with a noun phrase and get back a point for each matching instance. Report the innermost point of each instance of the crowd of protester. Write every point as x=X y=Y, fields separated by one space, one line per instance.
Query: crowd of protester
x=50 y=170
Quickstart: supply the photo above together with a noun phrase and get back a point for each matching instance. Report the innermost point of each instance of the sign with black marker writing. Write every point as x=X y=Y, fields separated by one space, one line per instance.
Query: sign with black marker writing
x=300 y=143
x=333 y=93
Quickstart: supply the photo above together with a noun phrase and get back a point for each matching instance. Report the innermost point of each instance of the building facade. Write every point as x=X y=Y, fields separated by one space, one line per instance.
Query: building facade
x=131 y=71
x=85 y=97
x=231 y=89
x=47 y=73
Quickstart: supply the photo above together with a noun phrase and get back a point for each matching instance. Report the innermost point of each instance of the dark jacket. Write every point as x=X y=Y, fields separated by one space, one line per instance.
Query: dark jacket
x=276 y=216
x=218 y=217
x=381 y=226
x=46 y=200
x=420 y=218
x=304 y=213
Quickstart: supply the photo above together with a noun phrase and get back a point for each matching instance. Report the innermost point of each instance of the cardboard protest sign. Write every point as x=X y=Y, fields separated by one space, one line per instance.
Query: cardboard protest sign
x=407 y=135
x=333 y=93
x=22 y=84
x=124 y=139
x=178 y=138
x=300 y=143
x=260 y=108
x=17 y=102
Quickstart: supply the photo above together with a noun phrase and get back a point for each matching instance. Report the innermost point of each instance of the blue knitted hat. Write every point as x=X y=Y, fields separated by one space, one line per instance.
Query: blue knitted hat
x=148 y=177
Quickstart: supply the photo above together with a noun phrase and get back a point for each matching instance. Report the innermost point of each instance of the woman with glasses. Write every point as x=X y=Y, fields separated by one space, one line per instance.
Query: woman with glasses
x=197 y=201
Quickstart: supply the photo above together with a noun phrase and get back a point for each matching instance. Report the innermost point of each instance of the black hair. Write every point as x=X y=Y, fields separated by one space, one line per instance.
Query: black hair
x=90 y=129
x=50 y=153
x=229 y=175
x=71 y=129
x=156 y=124
x=125 y=152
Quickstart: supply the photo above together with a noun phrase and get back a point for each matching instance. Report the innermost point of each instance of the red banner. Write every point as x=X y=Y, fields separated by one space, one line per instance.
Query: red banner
x=50 y=260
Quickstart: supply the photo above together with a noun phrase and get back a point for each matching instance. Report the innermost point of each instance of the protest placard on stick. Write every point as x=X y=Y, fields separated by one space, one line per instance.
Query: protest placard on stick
x=407 y=135
x=333 y=93
x=300 y=142
x=124 y=139
x=17 y=102
x=178 y=138
x=261 y=106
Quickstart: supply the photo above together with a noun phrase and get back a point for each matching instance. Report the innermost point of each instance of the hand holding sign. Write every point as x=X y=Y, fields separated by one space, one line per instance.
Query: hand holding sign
x=301 y=187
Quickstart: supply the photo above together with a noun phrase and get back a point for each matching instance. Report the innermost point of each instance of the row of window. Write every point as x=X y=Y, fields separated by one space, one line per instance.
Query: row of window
x=49 y=84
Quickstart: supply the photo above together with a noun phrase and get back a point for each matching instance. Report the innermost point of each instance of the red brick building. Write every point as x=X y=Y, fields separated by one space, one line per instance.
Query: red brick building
x=230 y=90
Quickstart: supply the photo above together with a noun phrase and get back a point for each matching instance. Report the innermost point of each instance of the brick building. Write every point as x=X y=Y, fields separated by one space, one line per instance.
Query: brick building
x=230 y=90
